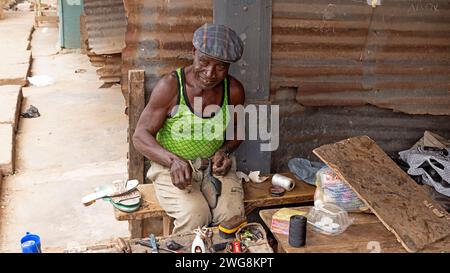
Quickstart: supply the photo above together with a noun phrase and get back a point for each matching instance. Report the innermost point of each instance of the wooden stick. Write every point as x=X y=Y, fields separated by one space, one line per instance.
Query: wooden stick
x=136 y=101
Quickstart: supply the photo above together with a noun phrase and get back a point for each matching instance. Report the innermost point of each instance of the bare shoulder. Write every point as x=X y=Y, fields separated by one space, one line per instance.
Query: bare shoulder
x=237 y=92
x=165 y=92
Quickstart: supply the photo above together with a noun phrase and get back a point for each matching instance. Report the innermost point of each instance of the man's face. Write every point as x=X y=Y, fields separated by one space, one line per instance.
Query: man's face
x=209 y=72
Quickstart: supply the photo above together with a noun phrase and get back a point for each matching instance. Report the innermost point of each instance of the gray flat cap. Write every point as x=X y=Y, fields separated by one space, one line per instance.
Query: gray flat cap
x=219 y=42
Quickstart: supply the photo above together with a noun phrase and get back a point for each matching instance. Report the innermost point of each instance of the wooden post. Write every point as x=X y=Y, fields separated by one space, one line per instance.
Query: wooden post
x=135 y=228
x=136 y=102
x=167 y=225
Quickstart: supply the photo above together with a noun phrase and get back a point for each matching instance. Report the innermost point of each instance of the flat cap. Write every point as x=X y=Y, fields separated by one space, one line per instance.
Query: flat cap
x=219 y=42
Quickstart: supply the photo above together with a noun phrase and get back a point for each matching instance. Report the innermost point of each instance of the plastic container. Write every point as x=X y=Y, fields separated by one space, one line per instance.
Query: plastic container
x=328 y=218
x=30 y=243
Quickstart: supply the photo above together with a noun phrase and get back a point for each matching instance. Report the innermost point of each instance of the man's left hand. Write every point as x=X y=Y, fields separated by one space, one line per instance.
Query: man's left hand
x=221 y=163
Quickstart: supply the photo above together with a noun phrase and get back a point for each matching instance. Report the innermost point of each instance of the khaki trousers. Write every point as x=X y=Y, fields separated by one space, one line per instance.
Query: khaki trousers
x=190 y=209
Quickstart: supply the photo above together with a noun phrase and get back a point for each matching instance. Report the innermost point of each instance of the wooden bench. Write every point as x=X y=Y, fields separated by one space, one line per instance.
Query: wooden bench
x=255 y=196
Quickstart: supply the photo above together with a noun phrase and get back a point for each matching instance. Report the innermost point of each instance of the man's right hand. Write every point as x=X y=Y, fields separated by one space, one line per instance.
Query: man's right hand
x=181 y=173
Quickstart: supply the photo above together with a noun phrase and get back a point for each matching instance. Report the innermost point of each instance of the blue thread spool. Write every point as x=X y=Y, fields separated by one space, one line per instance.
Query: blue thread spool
x=30 y=243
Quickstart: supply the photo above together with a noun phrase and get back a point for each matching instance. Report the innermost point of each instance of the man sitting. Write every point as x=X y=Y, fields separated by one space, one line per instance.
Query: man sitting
x=184 y=122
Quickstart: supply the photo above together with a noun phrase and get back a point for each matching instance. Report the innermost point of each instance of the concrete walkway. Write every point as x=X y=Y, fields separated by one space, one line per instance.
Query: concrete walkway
x=77 y=144
x=15 y=30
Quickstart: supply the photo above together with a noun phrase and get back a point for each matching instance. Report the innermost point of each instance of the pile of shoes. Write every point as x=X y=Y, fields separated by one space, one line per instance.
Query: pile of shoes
x=123 y=195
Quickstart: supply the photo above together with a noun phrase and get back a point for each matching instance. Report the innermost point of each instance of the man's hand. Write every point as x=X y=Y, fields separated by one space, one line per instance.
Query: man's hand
x=181 y=173
x=221 y=163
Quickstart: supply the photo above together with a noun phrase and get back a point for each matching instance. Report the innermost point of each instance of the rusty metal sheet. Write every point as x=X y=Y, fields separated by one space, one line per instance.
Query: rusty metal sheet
x=109 y=66
x=96 y=60
x=344 y=52
x=106 y=25
x=110 y=71
x=103 y=31
x=159 y=36
x=303 y=129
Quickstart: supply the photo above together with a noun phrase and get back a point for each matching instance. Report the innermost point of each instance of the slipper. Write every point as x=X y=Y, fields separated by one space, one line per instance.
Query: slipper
x=129 y=199
x=125 y=208
x=128 y=202
x=118 y=187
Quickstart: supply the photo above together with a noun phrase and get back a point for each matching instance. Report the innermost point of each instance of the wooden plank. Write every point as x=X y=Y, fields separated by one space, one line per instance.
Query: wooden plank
x=390 y=193
x=136 y=106
x=257 y=195
x=365 y=235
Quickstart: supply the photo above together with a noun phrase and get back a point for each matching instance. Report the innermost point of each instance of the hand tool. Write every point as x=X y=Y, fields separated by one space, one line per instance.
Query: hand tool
x=153 y=243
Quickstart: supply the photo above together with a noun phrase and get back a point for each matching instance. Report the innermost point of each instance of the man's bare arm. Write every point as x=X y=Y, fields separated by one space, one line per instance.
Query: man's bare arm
x=161 y=102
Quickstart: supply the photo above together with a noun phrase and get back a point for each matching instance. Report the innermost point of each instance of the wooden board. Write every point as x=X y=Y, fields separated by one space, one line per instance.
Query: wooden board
x=365 y=235
x=257 y=195
x=390 y=193
x=136 y=106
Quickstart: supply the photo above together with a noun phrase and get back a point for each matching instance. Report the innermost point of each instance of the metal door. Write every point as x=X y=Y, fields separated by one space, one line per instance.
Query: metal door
x=69 y=26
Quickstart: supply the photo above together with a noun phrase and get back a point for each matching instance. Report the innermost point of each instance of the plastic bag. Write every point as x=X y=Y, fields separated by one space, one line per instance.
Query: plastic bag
x=304 y=169
x=331 y=189
x=41 y=80
x=433 y=164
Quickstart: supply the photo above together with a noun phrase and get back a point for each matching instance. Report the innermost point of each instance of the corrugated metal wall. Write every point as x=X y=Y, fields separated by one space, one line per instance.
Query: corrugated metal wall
x=324 y=53
x=336 y=52
x=345 y=52
x=159 y=36
x=105 y=23
x=302 y=129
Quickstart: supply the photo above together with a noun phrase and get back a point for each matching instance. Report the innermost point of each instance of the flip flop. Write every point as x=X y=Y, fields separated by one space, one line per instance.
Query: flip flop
x=118 y=187
x=128 y=202
x=127 y=199
x=124 y=208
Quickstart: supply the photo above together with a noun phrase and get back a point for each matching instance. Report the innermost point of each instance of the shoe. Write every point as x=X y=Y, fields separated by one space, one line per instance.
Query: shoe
x=118 y=187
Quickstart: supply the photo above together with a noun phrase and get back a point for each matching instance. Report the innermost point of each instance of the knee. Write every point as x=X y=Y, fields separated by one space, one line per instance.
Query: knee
x=199 y=214
x=225 y=213
x=195 y=214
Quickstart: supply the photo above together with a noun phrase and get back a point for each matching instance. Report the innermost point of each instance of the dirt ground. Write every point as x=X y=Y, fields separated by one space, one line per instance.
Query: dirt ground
x=78 y=143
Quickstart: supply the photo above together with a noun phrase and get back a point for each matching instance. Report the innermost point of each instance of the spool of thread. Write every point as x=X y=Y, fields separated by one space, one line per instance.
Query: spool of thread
x=297 y=230
x=283 y=181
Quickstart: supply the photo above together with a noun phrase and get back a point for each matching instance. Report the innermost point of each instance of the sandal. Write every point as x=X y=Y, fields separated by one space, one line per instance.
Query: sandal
x=118 y=187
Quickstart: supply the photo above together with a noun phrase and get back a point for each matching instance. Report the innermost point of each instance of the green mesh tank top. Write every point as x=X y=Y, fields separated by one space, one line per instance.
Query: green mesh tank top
x=189 y=136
